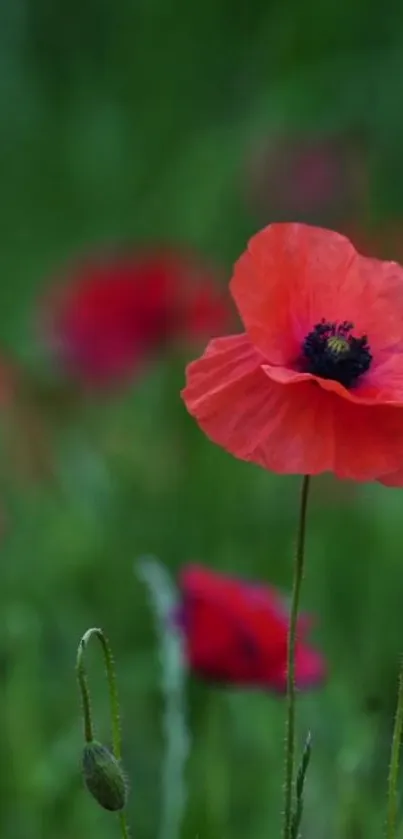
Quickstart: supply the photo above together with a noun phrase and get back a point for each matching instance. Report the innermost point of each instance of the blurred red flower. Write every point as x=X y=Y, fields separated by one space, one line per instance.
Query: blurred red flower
x=236 y=633
x=315 y=384
x=113 y=312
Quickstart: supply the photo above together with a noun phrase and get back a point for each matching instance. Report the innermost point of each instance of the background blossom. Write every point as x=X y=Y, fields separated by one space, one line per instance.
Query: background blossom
x=236 y=633
x=112 y=313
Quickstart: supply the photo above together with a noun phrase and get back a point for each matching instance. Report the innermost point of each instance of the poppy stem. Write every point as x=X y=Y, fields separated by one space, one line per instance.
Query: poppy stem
x=292 y=635
x=394 y=762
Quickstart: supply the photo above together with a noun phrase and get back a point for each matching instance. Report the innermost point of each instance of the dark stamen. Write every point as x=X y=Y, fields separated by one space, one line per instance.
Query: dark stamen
x=332 y=352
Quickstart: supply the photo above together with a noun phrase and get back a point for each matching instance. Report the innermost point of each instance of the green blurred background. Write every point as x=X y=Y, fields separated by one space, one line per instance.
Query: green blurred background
x=148 y=121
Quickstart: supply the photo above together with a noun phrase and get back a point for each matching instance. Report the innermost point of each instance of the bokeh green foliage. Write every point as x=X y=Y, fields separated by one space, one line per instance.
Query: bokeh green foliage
x=133 y=121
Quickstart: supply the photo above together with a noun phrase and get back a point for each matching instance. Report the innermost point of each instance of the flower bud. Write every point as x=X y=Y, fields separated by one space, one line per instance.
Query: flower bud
x=103 y=776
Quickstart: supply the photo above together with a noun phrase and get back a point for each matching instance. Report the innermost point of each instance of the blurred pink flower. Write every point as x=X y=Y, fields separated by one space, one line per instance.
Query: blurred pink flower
x=383 y=242
x=114 y=311
x=318 y=180
x=236 y=633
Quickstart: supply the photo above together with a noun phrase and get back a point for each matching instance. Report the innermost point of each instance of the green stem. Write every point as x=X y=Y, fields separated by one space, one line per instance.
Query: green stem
x=300 y=785
x=113 y=694
x=85 y=692
x=394 y=763
x=113 y=701
x=124 y=827
x=292 y=635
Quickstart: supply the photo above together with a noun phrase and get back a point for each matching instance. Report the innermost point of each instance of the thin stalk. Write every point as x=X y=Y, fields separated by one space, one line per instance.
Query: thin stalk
x=292 y=636
x=300 y=785
x=391 y=811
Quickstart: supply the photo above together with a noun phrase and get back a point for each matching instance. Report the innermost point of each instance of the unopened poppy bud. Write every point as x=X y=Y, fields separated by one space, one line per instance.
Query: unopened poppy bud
x=103 y=776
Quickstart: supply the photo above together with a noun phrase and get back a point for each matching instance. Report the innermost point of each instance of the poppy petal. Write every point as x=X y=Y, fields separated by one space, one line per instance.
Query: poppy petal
x=290 y=429
x=293 y=275
x=310 y=671
x=365 y=393
x=310 y=668
x=393 y=479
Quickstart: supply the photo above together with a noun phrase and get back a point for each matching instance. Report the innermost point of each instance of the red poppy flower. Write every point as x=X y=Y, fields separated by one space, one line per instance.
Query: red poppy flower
x=315 y=384
x=236 y=633
x=115 y=311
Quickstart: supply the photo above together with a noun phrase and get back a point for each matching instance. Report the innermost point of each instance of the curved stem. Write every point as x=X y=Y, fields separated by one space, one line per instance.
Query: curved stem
x=113 y=694
x=113 y=701
x=292 y=635
x=394 y=763
x=85 y=693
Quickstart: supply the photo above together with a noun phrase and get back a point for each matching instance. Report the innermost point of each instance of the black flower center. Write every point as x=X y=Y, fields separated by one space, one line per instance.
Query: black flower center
x=332 y=352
